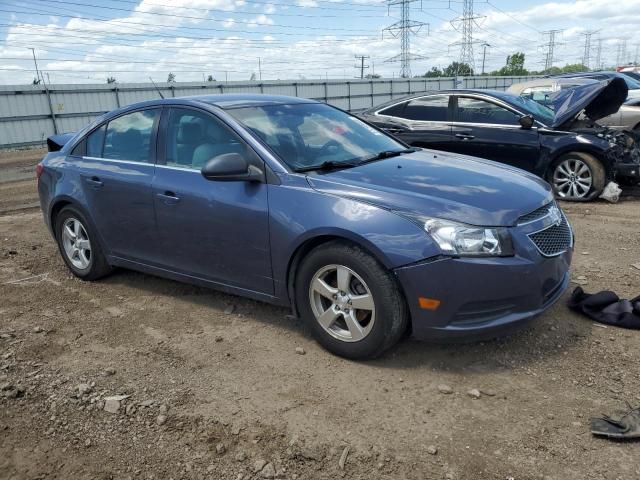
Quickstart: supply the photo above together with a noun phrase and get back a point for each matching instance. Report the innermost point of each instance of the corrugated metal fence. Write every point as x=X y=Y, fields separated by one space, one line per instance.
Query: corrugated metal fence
x=30 y=113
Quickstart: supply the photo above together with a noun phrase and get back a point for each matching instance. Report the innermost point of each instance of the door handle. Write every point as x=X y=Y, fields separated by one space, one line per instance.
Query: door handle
x=465 y=136
x=394 y=130
x=169 y=198
x=95 y=182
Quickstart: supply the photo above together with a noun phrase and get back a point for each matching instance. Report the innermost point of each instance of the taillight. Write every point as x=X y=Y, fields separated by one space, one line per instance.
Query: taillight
x=39 y=170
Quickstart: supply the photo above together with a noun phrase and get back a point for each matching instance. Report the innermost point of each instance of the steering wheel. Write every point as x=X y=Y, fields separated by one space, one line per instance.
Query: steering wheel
x=324 y=149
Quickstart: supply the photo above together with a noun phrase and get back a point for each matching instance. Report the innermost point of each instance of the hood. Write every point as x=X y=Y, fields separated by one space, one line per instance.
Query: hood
x=442 y=185
x=598 y=100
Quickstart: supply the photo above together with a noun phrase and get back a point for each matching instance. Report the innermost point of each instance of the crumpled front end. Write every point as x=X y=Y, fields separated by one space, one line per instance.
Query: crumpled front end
x=624 y=153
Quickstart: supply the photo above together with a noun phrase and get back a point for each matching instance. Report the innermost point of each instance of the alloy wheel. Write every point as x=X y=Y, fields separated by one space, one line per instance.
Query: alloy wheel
x=76 y=243
x=342 y=303
x=572 y=178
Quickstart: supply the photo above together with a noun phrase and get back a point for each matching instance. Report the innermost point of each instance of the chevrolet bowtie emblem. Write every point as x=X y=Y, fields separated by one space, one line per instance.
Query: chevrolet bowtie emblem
x=555 y=215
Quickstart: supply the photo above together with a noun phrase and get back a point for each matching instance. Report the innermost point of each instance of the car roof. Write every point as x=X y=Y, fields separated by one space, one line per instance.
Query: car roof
x=539 y=82
x=235 y=100
x=224 y=101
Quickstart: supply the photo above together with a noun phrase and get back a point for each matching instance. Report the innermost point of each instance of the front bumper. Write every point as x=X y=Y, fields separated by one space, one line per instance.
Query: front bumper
x=628 y=170
x=484 y=297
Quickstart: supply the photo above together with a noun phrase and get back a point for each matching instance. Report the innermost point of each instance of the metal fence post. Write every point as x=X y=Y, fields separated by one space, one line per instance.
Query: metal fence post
x=115 y=91
x=349 y=96
x=53 y=115
x=295 y=88
x=390 y=88
x=371 y=86
x=326 y=91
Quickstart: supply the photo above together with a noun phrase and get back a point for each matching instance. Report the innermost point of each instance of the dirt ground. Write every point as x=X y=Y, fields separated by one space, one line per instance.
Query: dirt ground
x=211 y=385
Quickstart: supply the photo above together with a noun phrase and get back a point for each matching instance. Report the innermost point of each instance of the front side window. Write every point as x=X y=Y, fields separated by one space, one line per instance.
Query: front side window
x=474 y=110
x=193 y=138
x=128 y=137
x=427 y=109
x=308 y=134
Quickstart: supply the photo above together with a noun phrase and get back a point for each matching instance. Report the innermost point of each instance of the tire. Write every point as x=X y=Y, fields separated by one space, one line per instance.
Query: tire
x=383 y=318
x=577 y=177
x=79 y=245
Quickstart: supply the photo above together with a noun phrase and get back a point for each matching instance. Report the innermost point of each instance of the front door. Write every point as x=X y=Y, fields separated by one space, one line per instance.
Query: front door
x=218 y=231
x=487 y=130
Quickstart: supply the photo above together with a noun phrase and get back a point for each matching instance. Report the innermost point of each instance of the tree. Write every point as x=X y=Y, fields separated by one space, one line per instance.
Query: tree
x=575 y=68
x=36 y=81
x=171 y=78
x=514 y=65
x=433 y=73
x=457 y=68
x=210 y=78
x=372 y=75
x=111 y=80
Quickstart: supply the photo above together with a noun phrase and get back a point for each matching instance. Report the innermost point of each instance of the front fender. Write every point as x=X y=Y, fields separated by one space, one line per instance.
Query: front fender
x=394 y=240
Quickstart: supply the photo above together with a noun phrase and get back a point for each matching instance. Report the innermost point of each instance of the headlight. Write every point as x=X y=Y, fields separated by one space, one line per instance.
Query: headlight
x=466 y=240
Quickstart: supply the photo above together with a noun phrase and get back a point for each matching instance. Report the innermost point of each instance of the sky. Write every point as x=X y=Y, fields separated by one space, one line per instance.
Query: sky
x=87 y=41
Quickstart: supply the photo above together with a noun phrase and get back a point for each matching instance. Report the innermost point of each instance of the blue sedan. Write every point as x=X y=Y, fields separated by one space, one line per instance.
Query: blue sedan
x=297 y=203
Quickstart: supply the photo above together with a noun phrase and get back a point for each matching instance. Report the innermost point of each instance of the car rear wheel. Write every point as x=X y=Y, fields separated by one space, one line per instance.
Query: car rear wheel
x=578 y=177
x=353 y=306
x=79 y=248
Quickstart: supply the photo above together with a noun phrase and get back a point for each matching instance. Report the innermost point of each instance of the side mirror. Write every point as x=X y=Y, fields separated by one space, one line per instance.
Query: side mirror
x=231 y=167
x=526 y=122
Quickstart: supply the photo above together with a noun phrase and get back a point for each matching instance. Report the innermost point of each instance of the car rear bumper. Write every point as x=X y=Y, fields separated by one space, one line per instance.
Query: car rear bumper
x=482 y=298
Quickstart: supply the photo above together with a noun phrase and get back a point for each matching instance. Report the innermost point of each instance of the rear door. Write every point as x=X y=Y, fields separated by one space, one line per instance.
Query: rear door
x=421 y=122
x=483 y=128
x=218 y=231
x=116 y=172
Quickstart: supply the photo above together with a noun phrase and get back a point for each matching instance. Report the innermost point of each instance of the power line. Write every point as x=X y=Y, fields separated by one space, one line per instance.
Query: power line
x=191 y=17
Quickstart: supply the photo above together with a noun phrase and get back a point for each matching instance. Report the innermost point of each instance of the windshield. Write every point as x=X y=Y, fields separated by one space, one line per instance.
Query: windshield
x=632 y=83
x=540 y=112
x=305 y=135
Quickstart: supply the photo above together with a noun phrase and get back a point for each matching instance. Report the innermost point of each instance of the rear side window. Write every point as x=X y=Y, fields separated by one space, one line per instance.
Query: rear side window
x=394 y=110
x=432 y=108
x=128 y=137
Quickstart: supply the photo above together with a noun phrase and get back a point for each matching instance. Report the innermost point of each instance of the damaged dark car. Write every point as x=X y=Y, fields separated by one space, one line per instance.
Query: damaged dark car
x=562 y=143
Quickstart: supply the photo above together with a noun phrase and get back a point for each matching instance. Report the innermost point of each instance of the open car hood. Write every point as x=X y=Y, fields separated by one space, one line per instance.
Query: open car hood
x=598 y=100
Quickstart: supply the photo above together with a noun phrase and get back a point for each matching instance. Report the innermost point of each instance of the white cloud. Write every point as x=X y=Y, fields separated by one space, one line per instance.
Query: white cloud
x=92 y=44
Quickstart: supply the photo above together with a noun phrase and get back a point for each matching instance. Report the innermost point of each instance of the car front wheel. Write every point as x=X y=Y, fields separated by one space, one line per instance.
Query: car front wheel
x=578 y=177
x=352 y=304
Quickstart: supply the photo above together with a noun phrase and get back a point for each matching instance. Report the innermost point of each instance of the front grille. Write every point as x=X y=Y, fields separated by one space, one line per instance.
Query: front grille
x=553 y=240
x=536 y=214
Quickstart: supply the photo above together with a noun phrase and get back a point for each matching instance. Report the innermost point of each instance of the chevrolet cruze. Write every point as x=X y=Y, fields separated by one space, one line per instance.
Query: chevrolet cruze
x=297 y=203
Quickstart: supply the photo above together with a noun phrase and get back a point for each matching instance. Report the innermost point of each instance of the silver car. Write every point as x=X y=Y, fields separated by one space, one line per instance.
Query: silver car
x=541 y=90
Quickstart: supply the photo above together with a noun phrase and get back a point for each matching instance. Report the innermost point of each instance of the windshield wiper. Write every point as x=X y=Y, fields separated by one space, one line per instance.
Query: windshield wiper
x=331 y=165
x=386 y=154
x=328 y=165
